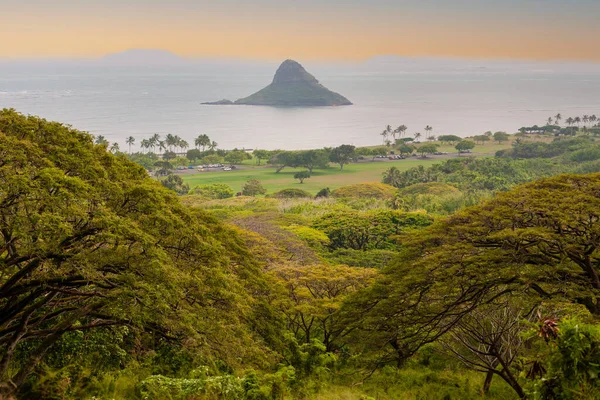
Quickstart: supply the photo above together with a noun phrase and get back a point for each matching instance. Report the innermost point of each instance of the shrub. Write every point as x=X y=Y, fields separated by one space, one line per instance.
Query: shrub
x=213 y=191
x=253 y=188
x=323 y=193
x=433 y=188
x=291 y=194
x=366 y=190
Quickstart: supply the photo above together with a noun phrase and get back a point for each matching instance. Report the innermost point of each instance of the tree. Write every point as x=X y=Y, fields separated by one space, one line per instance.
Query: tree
x=176 y=184
x=202 y=141
x=557 y=119
x=302 y=175
x=163 y=168
x=193 y=155
x=428 y=130
x=236 y=157
x=417 y=135
x=311 y=159
x=253 y=188
x=428 y=148
x=401 y=130
x=101 y=140
x=449 y=139
x=212 y=159
x=213 y=145
x=213 y=191
x=464 y=146
x=540 y=242
x=130 y=141
x=261 y=155
x=343 y=155
x=501 y=137
x=89 y=241
x=481 y=139
x=114 y=148
x=431 y=138
x=169 y=155
x=313 y=296
x=379 y=151
x=406 y=149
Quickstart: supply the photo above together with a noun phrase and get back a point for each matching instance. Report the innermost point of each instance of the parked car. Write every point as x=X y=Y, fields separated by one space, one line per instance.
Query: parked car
x=226 y=168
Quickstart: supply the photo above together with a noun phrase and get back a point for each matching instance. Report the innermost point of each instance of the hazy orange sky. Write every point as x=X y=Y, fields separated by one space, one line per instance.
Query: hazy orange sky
x=307 y=29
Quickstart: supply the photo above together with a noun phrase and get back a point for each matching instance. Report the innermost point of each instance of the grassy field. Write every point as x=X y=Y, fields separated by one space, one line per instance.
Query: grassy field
x=332 y=177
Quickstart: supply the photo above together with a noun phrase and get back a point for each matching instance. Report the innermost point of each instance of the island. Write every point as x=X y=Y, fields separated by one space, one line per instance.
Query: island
x=292 y=86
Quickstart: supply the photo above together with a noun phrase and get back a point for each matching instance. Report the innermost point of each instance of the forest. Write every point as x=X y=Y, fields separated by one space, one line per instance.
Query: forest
x=470 y=278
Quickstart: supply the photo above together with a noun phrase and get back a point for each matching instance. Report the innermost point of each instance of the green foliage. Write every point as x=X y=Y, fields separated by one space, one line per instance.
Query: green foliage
x=291 y=194
x=501 y=137
x=253 y=188
x=175 y=183
x=428 y=148
x=433 y=188
x=90 y=241
x=368 y=230
x=323 y=193
x=465 y=145
x=236 y=157
x=366 y=190
x=212 y=159
x=302 y=175
x=449 y=139
x=343 y=155
x=213 y=191
x=573 y=367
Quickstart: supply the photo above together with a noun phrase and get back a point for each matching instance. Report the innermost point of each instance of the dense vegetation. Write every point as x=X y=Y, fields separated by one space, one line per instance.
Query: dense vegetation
x=473 y=277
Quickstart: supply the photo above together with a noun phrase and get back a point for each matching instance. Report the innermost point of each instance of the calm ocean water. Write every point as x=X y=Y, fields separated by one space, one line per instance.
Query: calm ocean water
x=454 y=97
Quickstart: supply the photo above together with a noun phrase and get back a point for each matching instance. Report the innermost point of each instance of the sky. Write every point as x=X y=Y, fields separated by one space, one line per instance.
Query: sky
x=303 y=29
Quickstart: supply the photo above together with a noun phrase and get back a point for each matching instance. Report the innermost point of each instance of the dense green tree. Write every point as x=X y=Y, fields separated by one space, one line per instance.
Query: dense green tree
x=449 y=139
x=176 y=184
x=261 y=155
x=428 y=148
x=253 y=188
x=236 y=157
x=213 y=191
x=302 y=175
x=202 y=141
x=406 y=149
x=539 y=242
x=501 y=137
x=343 y=155
x=194 y=155
x=89 y=241
x=465 y=145
x=212 y=159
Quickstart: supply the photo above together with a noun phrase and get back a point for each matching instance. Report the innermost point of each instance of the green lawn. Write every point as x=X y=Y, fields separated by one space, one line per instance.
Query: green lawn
x=331 y=178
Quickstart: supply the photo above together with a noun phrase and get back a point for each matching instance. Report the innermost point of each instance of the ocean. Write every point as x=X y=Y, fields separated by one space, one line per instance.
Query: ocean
x=453 y=96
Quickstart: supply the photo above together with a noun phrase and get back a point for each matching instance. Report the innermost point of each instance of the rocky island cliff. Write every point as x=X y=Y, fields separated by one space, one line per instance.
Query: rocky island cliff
x=292 y=86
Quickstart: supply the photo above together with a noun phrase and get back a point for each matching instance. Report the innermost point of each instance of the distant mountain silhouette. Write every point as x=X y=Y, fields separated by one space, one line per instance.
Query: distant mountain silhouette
x=292 y=86
x=143 y=57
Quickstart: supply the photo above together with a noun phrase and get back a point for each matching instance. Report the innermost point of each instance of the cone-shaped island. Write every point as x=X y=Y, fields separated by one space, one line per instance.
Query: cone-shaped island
x=292 y=86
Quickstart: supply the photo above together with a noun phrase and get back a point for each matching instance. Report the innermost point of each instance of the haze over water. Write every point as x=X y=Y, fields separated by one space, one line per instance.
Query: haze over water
x=455 y=97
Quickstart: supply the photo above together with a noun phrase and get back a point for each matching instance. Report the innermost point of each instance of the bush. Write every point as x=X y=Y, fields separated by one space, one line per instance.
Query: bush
x=366 y=190
x=213 y=191
x=589 y=154
x=433 y=188
x=253 y=188
x=291 y=194
x=323 y=193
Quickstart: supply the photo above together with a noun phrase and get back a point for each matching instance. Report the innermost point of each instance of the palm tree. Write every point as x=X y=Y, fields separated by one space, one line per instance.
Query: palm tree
x=401 y=130
x=145 y=144
x=593 y=119
x=570 y=121
x=182 y=144
x=170 y=141
x=577 y=120
x=114 y=148
x=161 y=146
x=557 y=118
x=213 y=145
x=428 y=130
x=101 y=140
x=384 y=134
x=549 y=121
x=154 y=140
x=417 y=135
x=586 y=119
x=130 y=141
x=202 y=140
